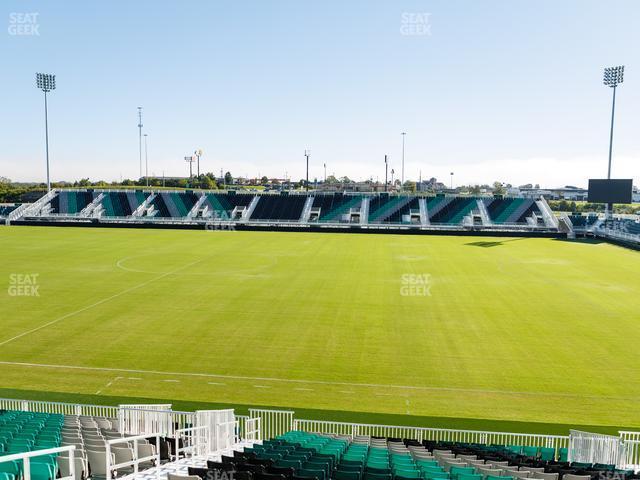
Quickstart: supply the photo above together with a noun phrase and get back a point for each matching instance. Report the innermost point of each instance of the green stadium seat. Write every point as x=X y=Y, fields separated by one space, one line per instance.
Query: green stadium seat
x=342 y=475
x=12 y=467
x=547 y=454
x=455 y=471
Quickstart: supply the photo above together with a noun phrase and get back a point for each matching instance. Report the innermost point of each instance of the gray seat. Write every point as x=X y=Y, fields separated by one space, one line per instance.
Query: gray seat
x=521 y=474
x=123 y=455
x=532 y=469
x=546 y=476
x=509 y=468
x=487 y=470
x=146 y=450
x=467 y=457
x=81 y=470
x=571 y=476
x=98 y=463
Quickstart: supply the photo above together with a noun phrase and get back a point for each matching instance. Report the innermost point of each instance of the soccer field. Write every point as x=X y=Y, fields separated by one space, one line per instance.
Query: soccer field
x=505 y=329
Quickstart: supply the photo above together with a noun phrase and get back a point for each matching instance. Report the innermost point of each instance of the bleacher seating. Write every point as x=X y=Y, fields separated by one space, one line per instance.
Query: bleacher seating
x=7 y=209
x=373 y=210
x=623 y=225
x=25 y=432
x=279 y=207
x=120 y=204
x=582 y=221
x=384 y=208
x=89 y=435
x=455 y=210
x=223 y=204
x=70 y=202
x=309 y=456
x=333 y=206
x=511 y=210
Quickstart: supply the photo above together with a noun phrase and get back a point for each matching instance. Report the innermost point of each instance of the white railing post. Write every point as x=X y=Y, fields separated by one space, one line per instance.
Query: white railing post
x=108 y=461
x=25 y=458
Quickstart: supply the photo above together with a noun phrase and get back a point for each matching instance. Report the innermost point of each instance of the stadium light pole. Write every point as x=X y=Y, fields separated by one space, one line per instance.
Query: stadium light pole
x=198 y=154
x=402 y=181
x=386 y=171
x=190 y=161
x=392 y=172
x=325 y=173
x=451 y=180
x=146 y=160
x=307 y=153
x=613 y=76
x=140 y=137
x=46 y=82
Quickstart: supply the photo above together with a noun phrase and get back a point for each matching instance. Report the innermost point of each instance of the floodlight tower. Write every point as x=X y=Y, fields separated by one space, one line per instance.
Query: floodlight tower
x=190 y=161
x=307 y=154
x=46 y=82
x=386 y=172
x=146 y=160
x=613 y=76
x=402 y=181
x=140 y=137
x=198 y=154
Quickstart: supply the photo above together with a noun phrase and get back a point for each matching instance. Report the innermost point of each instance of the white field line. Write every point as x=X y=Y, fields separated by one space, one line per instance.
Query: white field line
x=312 y=382
x=109 y=384
x=99 y=302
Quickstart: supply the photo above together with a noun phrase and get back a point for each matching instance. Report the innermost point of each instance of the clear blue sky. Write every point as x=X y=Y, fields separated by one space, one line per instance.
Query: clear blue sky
x=498 y=90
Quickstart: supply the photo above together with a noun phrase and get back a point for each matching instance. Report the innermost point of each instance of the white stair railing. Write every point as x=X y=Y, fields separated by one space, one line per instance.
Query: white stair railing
x=484 y=213
x=424 y=212
x=306 y=211
x=31 y=209
x=364 y=211
x=550 y=219
x=194 y=211
x=144 y=205
x=137 y=460
x=86 y=211
x=246 y=215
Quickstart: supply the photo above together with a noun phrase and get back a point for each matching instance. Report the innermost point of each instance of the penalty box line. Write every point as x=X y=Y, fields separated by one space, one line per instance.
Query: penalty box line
x=311 y=382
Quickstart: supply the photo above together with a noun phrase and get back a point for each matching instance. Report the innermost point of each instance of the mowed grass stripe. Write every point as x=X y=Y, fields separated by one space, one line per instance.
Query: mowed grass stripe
x=530 y=316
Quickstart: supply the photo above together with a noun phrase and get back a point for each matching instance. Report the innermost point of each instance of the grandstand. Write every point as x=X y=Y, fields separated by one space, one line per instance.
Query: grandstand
x=375 y=211
x=155 y=442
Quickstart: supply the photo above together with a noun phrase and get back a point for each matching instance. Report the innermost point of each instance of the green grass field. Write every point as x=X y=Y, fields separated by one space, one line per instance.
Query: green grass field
x=507 y=330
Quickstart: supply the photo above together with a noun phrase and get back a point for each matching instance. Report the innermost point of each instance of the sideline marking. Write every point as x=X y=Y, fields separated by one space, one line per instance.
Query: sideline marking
x=314 y=382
